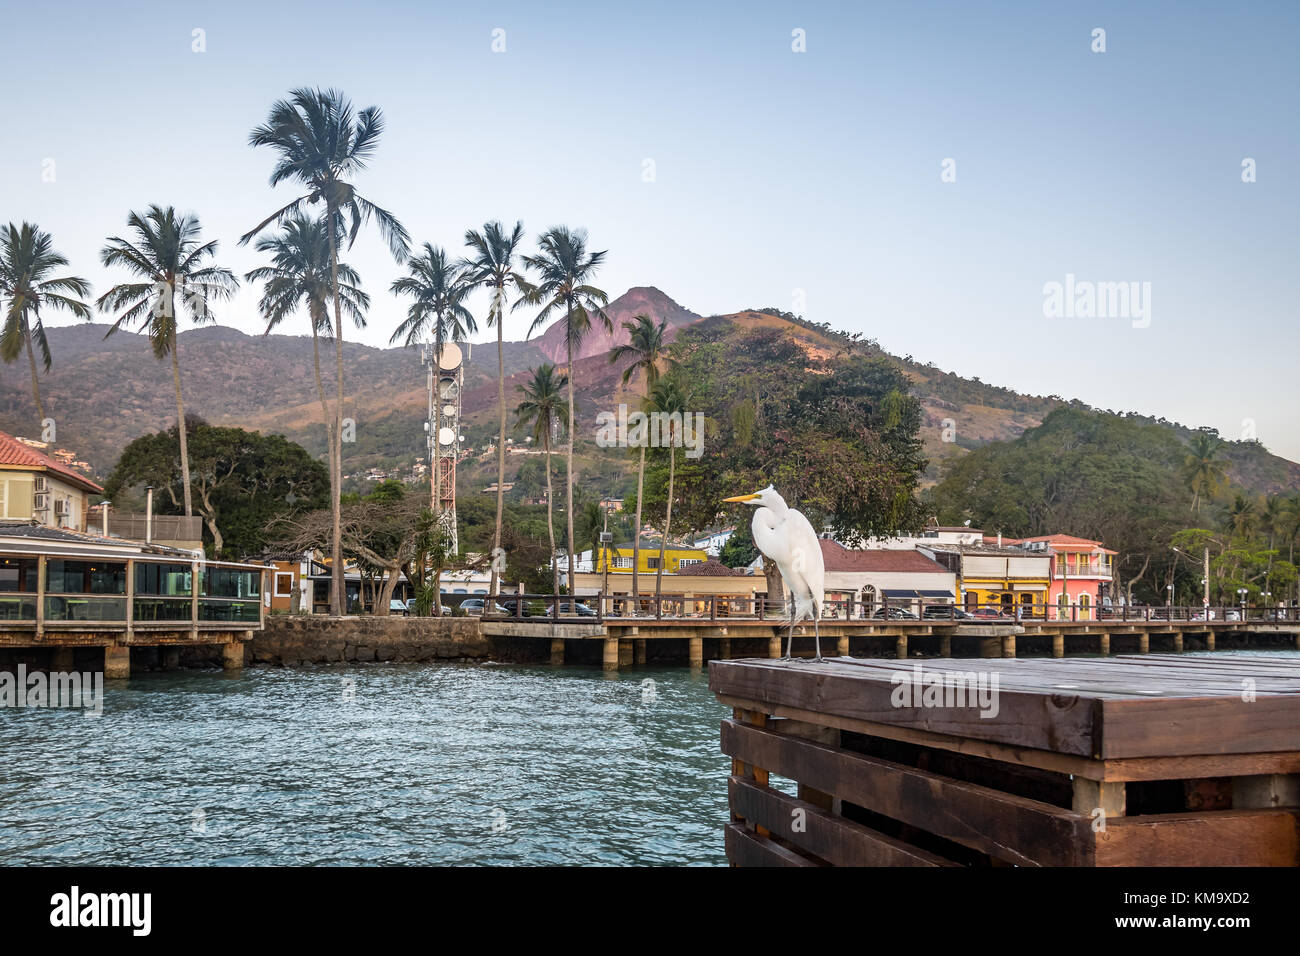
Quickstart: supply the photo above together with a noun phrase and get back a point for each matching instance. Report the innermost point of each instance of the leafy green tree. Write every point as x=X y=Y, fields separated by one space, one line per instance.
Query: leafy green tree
x=565 y=269
x=322 y=143
x=645 y=348
x=299 y=277
x=543 y=409
x=27 y=259
x=1203 y=470
x=243 y=480
x=492 y=266
x=169 y=259
x=739 y=550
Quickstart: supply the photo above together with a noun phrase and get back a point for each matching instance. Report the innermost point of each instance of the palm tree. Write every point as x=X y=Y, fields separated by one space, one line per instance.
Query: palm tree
x=565 y=270
x=299 y=277
x=435 y=284
x=27 y=258
x=668 y=399
x=1291 y=523
x=322 y=143
x=1203 y=470
x=1241 y=516
x=492 y=266
x=169 y=258
x=645 y=348
x=544 y=411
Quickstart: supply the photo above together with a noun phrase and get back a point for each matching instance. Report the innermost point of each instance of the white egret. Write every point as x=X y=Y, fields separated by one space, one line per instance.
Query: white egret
x=788 y=538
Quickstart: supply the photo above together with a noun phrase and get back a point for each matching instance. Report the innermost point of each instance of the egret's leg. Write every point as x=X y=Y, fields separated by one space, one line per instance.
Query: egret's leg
x=789 y=641
x=817 y=617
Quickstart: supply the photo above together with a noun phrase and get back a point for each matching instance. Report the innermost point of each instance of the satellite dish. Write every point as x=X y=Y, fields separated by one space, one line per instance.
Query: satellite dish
x=450 y=358
x=446 y=437
x=449 y=411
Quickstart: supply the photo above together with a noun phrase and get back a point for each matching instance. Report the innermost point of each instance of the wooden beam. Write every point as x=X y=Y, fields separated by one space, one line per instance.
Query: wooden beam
x=1213 y=838
x=750 y=849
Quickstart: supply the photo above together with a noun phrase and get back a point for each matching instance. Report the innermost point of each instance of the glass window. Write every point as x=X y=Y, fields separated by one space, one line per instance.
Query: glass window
x=18 y=574
x=283 y=585
x=652 y=563
x=84 y=577
x=172 y=580
x=230 y=582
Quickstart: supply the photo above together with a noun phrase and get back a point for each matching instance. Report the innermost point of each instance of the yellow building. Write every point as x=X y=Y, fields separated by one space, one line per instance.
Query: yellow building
x=676 y=556
x=1008 y=579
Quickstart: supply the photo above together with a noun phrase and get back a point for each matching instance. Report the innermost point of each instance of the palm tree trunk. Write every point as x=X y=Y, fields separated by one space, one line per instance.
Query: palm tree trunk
x=636 y=533
x=501 y=456
x=668 y=521
x=338 y=588
x=320 y=393
x=36 y=384
x=568 y=501
x=550 y=521
x=435 y=456
x=180 y=429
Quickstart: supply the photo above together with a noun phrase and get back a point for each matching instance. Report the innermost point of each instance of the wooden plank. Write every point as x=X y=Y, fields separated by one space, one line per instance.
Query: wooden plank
x=1123 y=769
x=749 y=849
x=1011 y=828
x=1219 y=725
x=838 y=841
x=1063 y=723
x=1215 y=838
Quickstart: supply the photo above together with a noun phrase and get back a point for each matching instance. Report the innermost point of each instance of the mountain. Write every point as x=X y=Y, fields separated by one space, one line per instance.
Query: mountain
x=640 y=300
x=105 y=392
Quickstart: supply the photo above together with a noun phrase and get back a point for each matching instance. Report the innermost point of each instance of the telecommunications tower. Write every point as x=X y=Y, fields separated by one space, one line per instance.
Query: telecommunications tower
x=443 y=439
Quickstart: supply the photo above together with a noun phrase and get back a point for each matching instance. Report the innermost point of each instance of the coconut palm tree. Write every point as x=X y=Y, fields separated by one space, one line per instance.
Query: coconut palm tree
x=322 y=143
x=439 y=292
x=544 y=410
x=299 y=278
x=493 y=266
x=1203 y=470
x=27 y=259
x=168 y=258
x=1241 y=516
x=645 y=348
x=667 y=398
x=565 y=269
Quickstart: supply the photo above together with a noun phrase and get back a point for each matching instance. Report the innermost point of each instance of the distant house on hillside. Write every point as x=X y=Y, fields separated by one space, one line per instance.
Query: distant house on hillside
x=36 y=486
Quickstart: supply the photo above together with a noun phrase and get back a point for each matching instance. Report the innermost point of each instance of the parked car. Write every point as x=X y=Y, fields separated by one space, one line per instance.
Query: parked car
x=568 y=609
x=893 y=614
x=529 y=608
x=990 y=613
x=945 y=612
x=474 y=607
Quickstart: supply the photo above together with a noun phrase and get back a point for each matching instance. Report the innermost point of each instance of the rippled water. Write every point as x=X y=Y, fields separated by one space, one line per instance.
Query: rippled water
x=430 y=764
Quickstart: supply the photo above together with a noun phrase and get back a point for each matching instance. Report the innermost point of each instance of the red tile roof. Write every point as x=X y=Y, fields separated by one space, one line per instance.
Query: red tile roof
x=711 y=567
x=15 y=454
x=839 y=558
x=1068 y=542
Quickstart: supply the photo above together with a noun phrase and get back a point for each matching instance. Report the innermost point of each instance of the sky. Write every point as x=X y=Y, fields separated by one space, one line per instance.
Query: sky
x=917 y=172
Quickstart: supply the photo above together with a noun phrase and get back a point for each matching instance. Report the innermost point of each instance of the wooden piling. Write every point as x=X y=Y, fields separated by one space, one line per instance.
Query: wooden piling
x=696 y=651
x=557 y=651
x=774 y=647
x=900 y=647
x=1058 y=645
x=1144 y=643
x=1103 y=644
x=609 y=659
x=842 y=646
x=1009 y=645
x=117 y=662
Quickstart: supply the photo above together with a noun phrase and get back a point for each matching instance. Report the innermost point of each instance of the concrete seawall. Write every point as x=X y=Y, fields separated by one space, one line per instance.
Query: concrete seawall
x=319 y=640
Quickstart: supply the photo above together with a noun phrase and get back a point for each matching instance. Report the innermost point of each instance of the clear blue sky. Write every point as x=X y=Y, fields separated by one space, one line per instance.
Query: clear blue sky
x=775 y=170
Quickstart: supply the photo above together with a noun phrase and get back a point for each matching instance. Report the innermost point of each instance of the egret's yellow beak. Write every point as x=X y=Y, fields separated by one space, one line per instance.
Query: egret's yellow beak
x=742 y=498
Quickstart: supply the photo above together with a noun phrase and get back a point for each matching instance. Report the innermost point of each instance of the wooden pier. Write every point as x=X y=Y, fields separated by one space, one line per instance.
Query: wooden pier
x=1165 y=760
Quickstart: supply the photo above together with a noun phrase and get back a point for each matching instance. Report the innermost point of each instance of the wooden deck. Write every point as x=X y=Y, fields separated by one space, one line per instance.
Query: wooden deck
x=1127 y=761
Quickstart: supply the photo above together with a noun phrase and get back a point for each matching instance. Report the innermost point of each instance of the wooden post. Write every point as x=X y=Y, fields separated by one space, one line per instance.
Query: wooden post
x=1103 y=643
x=1090 y=795
x=1178 y=643
x=117 y=662
x=900 y=647
x=1209 y=641
x=1009 y=646
x=1058 y=644
x=557 y=650
x=697 y=651
x=610 y=659
x=842 y=645
x=40 y=597
x=774 y=646
x=1144 y=643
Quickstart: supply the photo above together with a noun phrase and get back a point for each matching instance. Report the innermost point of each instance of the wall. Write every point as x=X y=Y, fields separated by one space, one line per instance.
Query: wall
x=306 y=639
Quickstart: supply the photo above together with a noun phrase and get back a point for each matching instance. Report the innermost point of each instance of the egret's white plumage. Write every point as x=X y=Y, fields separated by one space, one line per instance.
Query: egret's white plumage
x=788 y=538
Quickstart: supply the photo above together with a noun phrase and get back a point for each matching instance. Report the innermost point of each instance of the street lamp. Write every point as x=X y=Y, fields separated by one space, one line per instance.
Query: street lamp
x=1243 y=592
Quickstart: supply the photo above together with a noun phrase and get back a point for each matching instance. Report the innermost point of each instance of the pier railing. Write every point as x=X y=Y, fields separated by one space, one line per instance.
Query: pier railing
x=599 y=607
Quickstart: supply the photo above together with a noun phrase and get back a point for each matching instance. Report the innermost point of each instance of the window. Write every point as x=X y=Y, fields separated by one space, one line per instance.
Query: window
x=230 y=583
x=84 y=577
x=17 y=574
x=623 y=562
x=685 y=561
x=283 y=585
x=652 y=563
x=172 y=580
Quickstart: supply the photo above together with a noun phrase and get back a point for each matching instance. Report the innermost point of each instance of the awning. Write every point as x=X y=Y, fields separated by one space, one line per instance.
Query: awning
x=936 y=594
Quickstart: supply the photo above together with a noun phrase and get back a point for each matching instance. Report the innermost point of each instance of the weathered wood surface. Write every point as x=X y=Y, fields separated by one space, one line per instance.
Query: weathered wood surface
x=1127 y=707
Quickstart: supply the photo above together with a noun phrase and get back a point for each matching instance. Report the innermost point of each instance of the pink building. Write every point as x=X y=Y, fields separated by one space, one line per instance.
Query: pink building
x=1082 y=572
